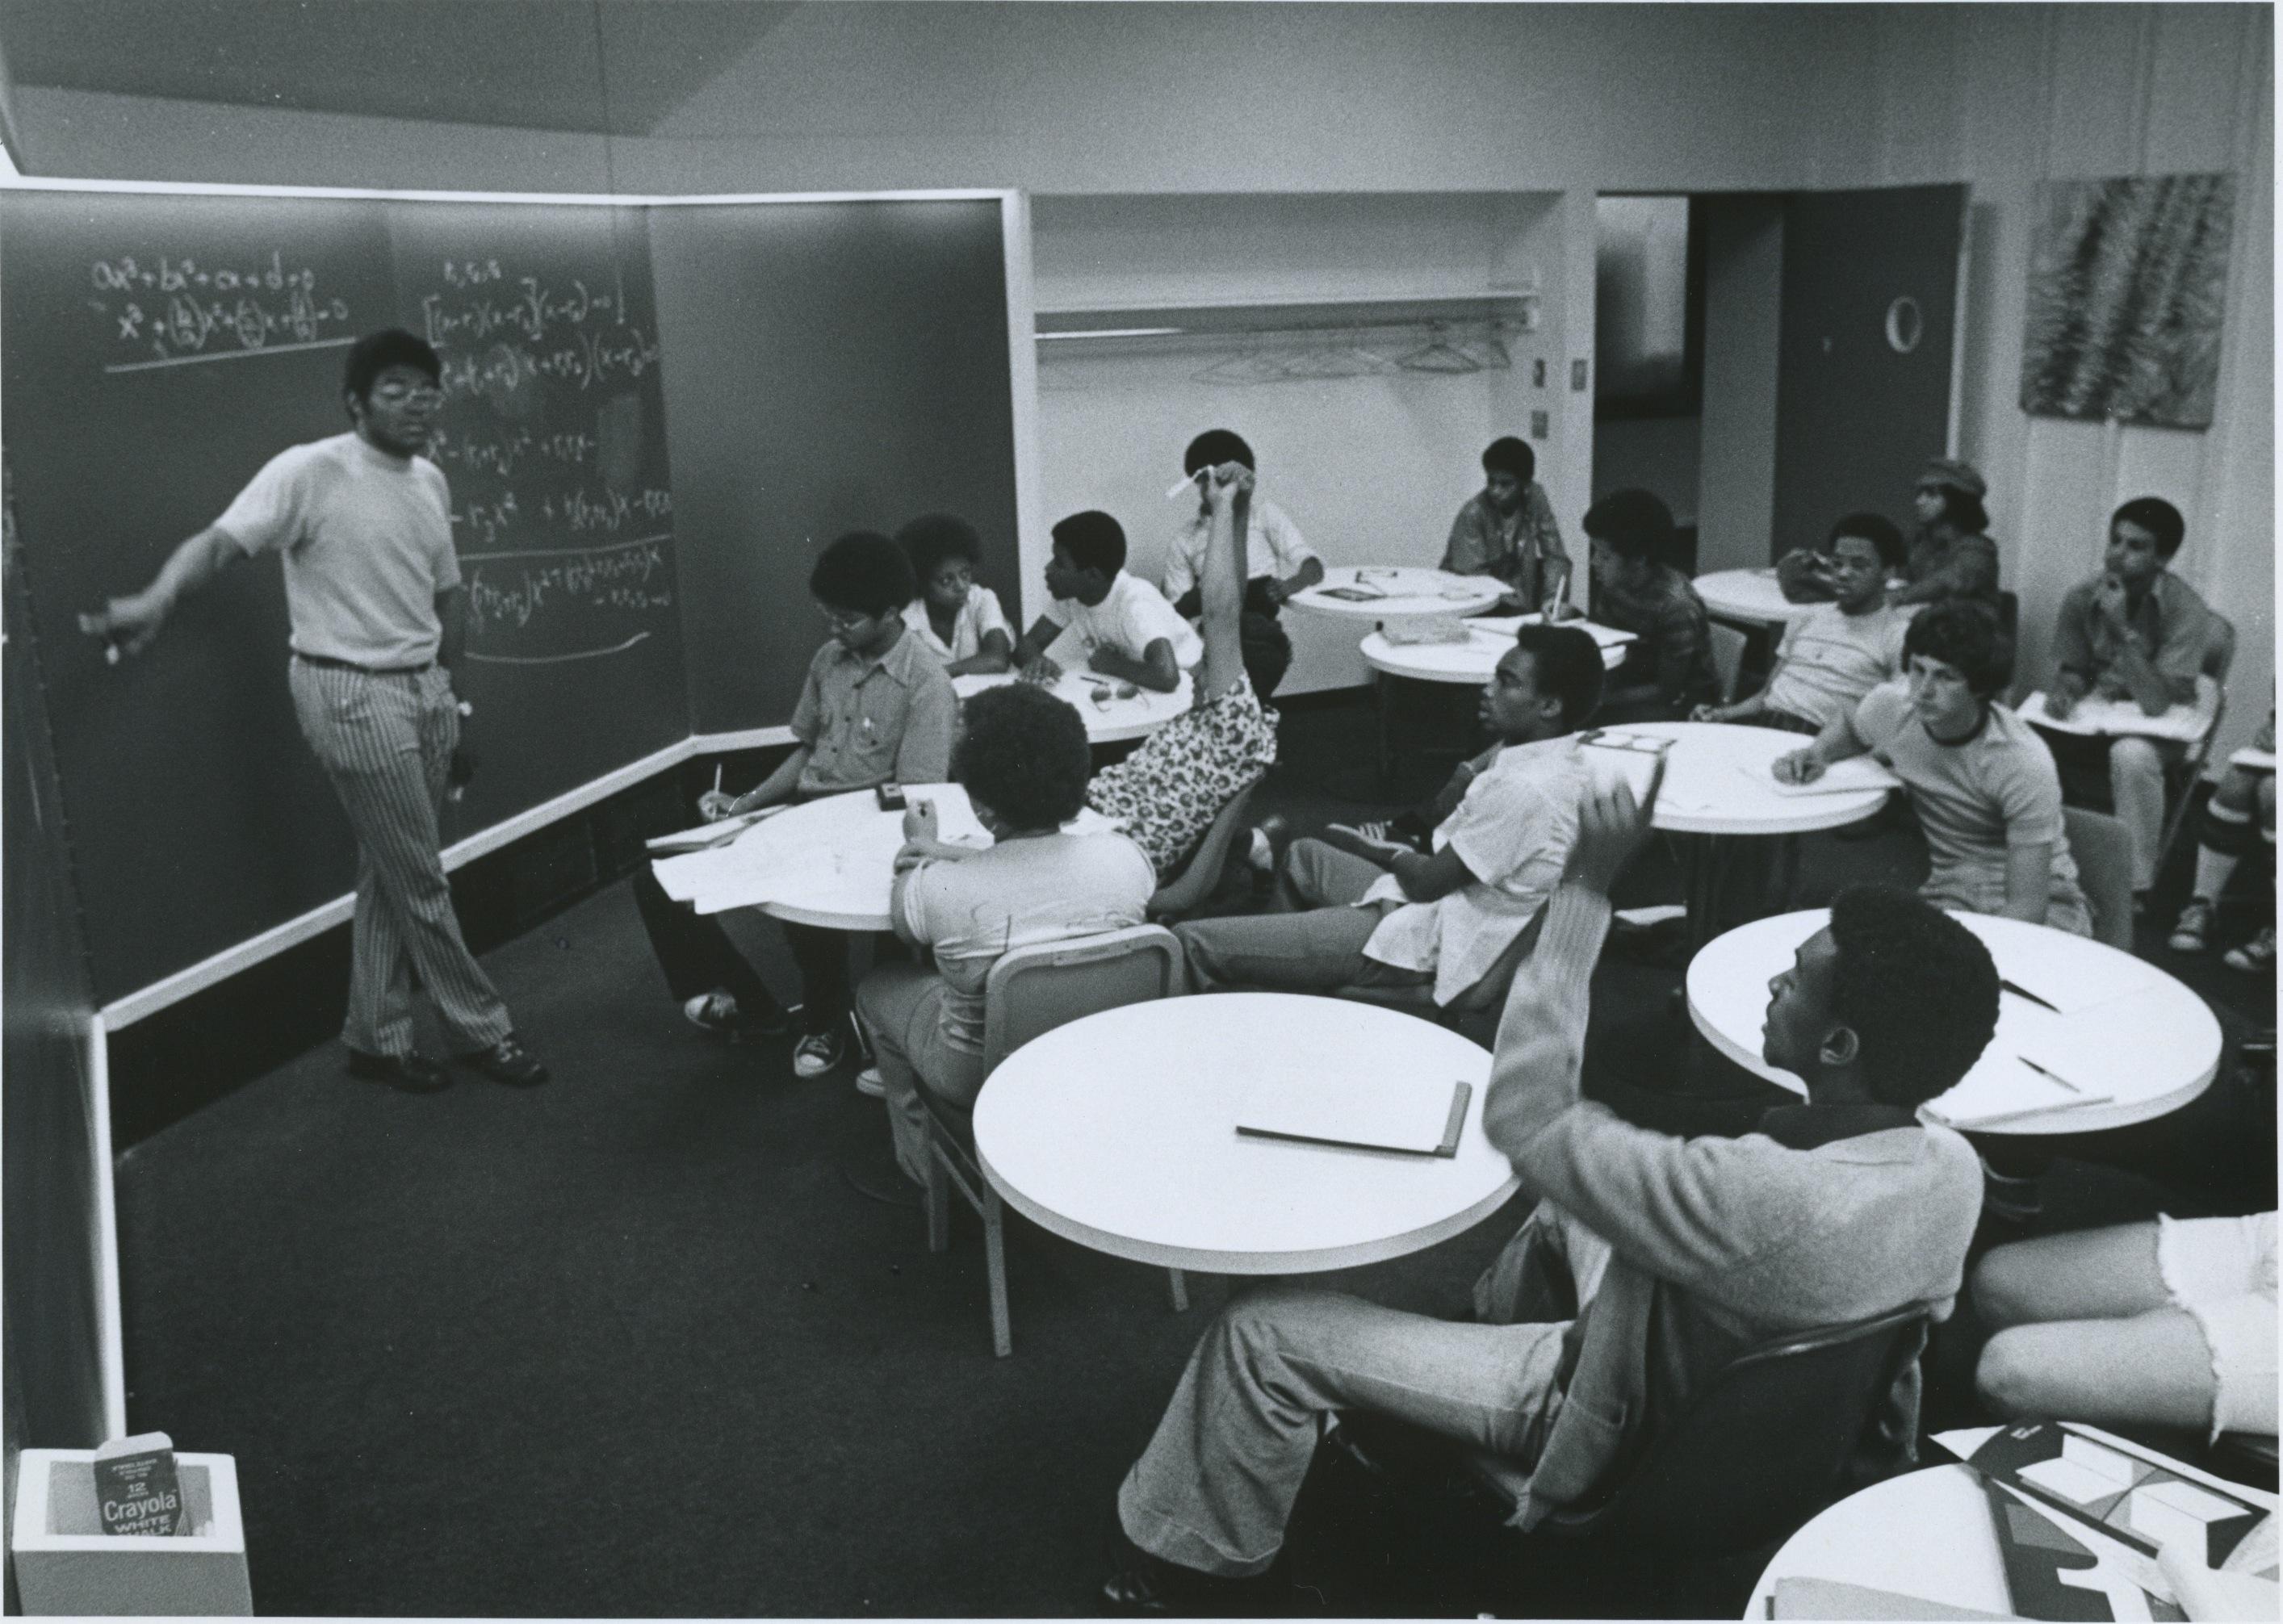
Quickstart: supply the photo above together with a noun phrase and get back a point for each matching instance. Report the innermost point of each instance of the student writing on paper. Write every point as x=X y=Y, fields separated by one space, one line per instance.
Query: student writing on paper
x=1278 y=561
x=1832 y=655
x=1507 y=529
x=1650 y=1262
x=363 y=522
x=2227 y=835
x=954 y=617
x=875 y=708
x=2170 y=1324
x=1980 y=779
x=2133 y=632
x=1125 y=624
x=1667 y=667
x=1023 y=758
x=1352 y=909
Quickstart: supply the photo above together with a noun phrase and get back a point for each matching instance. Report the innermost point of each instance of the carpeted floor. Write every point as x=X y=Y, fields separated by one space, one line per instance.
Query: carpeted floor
x=628 y=1344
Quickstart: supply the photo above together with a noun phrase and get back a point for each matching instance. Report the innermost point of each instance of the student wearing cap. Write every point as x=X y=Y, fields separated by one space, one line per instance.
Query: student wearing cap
x=1507 y=529
x=1667 y=667
x=1277 y=561
x=1950 y=555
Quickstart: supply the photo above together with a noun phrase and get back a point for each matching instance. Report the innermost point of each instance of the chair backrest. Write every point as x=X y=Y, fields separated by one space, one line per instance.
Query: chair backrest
x=2103 y=849
x=1727 y=658
x=1031 y=991
x=1181 y=894
x=2219 y=648
x=1765 y=1444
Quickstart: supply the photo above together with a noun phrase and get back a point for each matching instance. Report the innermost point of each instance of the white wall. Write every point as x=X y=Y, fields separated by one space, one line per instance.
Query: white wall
x=1743 y=307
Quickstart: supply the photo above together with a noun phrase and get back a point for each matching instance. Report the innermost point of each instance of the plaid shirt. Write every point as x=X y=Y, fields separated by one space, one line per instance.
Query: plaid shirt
x=1517 y=547
x=1674 y=653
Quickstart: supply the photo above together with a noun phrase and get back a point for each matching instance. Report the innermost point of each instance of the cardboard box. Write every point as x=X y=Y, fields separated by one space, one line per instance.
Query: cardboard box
x=67 y=1565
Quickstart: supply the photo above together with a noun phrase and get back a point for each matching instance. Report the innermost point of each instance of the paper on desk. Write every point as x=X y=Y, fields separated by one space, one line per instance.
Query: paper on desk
x=2088 y=981
x=1388 y=1111
x=2110 y=716
x=1603 y=636
x=1848 y=777
x=1798 y=1597
x=687 y=877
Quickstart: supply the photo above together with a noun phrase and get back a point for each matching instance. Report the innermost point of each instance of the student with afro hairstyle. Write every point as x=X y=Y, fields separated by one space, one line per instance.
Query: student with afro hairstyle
x=876 y=708
x=955 y=617
x=1277 y=561
x=1980 y=779
x=1023 y=758
x=1650 y=1262
x=1667 y=667
x=1507 y=529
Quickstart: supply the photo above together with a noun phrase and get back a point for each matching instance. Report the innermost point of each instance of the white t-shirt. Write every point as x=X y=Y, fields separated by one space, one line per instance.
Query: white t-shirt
x=1134 y=616
x=1273 y=546
x=1513 y=830
x=367 y=543
x=1020 y=893
x=978 y=614
x=1830 y=659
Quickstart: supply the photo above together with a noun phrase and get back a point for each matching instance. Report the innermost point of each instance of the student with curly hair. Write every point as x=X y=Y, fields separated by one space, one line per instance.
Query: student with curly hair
x=955 y=617
x=1980 y=779
x=1023 y=760
x=1507 y=529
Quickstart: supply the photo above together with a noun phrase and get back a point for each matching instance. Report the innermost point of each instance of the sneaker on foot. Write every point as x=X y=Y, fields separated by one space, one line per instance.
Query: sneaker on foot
x=2256 y=954
x=2192 y=932
x=510 y=1062
x=719 y=1013
x=870 y=1084
x=819 y=1052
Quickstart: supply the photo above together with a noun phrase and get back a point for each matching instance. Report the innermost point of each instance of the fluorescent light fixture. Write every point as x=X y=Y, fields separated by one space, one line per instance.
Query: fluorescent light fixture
x=1116 y=332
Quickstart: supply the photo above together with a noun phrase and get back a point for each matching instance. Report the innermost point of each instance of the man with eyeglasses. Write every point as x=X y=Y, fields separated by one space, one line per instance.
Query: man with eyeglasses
x=362 y=524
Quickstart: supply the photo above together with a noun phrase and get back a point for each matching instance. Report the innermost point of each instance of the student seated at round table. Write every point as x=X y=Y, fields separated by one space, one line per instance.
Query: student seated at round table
x=1021 y=758
x=1667 y=667
x=1370 y=912
x=955 y=617
x=1980 y=779
x=2170 y=1324
x=1508 y=530
x=1839 y=651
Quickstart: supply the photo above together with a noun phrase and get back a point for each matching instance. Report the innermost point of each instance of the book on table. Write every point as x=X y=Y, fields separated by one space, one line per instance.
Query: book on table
x=2120 y=718
x=1419 y=1117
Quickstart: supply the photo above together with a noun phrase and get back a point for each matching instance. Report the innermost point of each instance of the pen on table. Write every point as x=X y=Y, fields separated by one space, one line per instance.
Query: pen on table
x=2049 y=1073
x=2023 y=993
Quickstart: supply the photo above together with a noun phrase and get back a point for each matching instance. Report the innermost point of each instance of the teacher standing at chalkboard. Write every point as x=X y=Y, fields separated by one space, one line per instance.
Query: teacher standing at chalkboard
x=363 y=522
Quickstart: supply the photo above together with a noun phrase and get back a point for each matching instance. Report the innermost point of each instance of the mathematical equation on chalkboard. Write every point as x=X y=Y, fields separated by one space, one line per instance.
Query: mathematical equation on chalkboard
x=591 y=601
x=167 y=311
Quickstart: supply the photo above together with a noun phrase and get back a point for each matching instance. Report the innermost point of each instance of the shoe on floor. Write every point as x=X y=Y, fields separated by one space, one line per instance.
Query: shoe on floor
x=871 y=1085
x=819 y=1052
x=1142 y=1585
x=2254 y=955
x=720 y=1014
x=2192 y=933
x=412 y=1073
x=510 y=1062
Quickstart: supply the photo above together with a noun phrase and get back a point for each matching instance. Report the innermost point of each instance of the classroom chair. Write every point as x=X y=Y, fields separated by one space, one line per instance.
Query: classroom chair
x=2180 y=776
x=2103 y=851
x=1188 y=890
x=1028 y=993
x=1728 y=644
x=1486 y=997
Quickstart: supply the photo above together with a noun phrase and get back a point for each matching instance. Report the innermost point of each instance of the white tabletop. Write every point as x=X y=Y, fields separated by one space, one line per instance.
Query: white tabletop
x=1108 y=719
x=1407 y=589
x=1750 y=594
x=1488 y=638
x=1927 y=1535
x=830 y=862
x=1719 y=779
x=2132 y=1032
x=1118 y=1131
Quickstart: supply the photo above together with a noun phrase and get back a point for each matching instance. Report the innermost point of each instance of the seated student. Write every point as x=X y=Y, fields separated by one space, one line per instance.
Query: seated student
x=1950 y=557
x=2169 y=1324
x=1023 y=758
x=1979 y=778
x=1129 y=631
x=954 y=617
x=1277 y=561
x=1833 y=655
x=2225 y=837
x=876 y=708
x=2135 y=631
x=1168 y=791
x=1371 y=912
x=1507 y=529
x=1650 y=1262
x=1668 y=669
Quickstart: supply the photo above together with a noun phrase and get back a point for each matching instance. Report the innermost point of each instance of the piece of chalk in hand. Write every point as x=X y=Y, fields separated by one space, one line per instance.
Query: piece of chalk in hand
x=1181 y=485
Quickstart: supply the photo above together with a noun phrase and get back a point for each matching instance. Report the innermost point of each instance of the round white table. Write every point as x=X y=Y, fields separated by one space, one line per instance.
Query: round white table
x=1108 y=719
x=1404 y=590
x=2137 y=1042
x=1489 y=637
x=1749 y=595
x=1926 y=1534
x=1118 y=1131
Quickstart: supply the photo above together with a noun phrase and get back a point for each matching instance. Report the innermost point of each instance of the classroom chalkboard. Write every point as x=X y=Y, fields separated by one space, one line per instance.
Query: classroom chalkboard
x=157 y=351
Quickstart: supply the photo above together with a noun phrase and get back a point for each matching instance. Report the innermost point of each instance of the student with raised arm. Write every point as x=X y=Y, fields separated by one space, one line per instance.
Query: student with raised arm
x=1125 y=624
x=1278 y=561
x=1837 y=652
x=955 y=617
x=1650 y=1262
x=362 y=523
x=1980 y=779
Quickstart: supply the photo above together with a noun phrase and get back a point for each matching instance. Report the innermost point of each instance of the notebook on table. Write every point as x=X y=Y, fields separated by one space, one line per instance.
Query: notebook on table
x=1415 y=1116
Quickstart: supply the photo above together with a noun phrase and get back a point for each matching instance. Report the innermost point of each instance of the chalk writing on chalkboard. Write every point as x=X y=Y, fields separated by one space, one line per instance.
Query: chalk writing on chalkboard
x=511 y=590
x=170 y=312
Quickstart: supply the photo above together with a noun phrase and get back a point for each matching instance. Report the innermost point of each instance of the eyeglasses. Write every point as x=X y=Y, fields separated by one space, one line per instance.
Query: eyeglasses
x=401 y=395
x=844 y=620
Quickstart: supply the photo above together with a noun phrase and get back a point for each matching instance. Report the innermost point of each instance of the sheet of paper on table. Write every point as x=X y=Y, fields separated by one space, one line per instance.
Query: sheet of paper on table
x=2110 y=718
x=1603 y=636
x=1421 y=1115
x=2084 y=980
x=1800 y=1598
x=1848 y=777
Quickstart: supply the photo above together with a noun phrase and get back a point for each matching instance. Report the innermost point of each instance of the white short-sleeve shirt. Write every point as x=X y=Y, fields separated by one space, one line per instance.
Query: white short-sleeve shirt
x=1512 y=829
x=1273 y=546
x=367 y=543
x=1134 y=616
x=978 y=615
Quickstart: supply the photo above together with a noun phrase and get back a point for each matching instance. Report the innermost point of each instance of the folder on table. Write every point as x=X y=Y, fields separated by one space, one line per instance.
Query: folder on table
x=1419 y=1117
